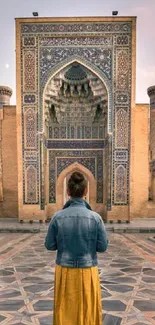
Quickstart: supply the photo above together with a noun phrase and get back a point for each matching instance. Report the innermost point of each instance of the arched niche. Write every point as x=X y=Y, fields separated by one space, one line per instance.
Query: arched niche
x=93 y=69
x=60 y=184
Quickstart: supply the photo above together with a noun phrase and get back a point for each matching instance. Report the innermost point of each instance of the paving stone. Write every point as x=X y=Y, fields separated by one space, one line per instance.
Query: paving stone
x=2 y=318
x=46 y=320
x=9 y=294
x=119 y=270
x=38 y=287
x=149 y=279
x=110 y=319
x=43 y=305
x=140 y=323
x=113 y=305
x=119 y=288
x=11 y=305
x=145 y=305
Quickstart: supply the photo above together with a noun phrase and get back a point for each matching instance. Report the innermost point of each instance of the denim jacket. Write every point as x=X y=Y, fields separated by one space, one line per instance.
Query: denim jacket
x=69 y=202
x=77 y=234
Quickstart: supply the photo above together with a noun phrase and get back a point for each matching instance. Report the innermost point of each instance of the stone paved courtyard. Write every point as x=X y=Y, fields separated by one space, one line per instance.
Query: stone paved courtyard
x=127 y=273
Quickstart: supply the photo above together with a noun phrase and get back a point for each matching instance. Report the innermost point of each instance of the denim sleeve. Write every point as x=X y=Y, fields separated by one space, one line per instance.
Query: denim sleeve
x=102 y=241
x=50 y=241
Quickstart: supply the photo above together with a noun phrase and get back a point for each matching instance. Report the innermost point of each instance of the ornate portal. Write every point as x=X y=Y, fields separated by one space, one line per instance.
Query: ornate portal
x=74 y=103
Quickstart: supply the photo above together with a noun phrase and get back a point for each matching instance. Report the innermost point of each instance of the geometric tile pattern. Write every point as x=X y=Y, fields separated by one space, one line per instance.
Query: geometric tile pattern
x=31 y=179
x=49 y=57
x=105 y=48
x=121 y=139
x=82 y=27
x=30 y=128
x=29 y=83
x=86 y=162
x=72 y=144
x=93 y=160
x=120 y=183
x=126 y=270
x=123 y=65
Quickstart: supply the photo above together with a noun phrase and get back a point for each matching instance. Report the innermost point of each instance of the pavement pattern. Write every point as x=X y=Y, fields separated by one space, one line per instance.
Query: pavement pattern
x=127 y=277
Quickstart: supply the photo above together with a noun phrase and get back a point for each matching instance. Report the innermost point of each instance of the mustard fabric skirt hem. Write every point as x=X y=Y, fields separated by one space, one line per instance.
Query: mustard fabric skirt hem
x=77 y=296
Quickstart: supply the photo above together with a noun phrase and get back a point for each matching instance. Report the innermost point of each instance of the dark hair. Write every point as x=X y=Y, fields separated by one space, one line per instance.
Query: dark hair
x=77 y=185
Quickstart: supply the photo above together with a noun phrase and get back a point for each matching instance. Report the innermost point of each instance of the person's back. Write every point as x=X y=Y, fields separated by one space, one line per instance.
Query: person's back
x=77 y=234
x=80 y=235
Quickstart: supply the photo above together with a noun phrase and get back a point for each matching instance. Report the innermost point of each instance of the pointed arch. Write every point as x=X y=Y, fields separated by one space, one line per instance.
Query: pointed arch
x=94 y=69
x=70 y=169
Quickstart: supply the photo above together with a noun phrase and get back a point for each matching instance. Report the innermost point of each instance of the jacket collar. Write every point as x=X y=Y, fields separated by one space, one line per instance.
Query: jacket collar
x=77 y=201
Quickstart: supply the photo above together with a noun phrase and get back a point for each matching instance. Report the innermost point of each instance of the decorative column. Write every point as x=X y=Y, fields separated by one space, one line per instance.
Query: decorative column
x=151 y=94
x=5 y=94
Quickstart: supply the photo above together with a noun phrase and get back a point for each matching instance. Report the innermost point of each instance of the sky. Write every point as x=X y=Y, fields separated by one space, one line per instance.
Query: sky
x=143 y=9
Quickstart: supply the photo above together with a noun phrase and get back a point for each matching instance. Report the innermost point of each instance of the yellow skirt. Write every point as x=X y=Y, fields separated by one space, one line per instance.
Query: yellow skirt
x=77 y=296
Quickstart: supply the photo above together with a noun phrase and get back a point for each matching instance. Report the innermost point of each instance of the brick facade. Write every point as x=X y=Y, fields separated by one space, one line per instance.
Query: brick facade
x=9 y=202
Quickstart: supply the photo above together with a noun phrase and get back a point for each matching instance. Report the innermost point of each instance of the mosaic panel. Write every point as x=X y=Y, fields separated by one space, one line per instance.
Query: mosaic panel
x=29 y=41
x=30 y=128
x=122 y=98
x=29 y=99
x=121 y=126
x=108 y=171
x=120 y=181
x=79 y=133
x=63 y=132
x=120 y=155
x=78 y=28
x=74 y=132
x=123 y=40
x=88 y=132
x=73 y=156
x=50 y=57
x=122 y=102
x=31 y=184
x=63 y=163
x=56 y=132
x=75 y=144
x=101 y=132
x=29 y=82
x=65 y=41
x=95 y=132
x=30 y=155
x=122 y=66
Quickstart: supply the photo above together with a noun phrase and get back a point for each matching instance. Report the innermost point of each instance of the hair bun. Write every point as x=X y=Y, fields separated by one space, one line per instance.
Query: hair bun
x=77 y=185
x=77 y=178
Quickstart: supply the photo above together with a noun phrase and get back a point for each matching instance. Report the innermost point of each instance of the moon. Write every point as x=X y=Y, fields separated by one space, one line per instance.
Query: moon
x=7 y=66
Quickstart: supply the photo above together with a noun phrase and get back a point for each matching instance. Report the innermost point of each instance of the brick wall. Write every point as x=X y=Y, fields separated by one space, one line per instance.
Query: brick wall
x=9 y=205
x=139 y=163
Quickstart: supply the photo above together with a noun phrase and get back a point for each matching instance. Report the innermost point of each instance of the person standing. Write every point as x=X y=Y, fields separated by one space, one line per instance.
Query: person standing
x=77 y=234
